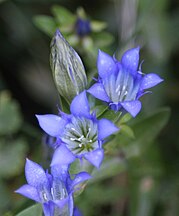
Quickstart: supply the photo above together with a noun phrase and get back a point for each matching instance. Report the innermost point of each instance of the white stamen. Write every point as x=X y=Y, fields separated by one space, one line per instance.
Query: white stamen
x=79 y=139
x=80 y=145
x=52 y=192
x=125 y=93
x=89 y=130
x=124 y=87
x=44 y=196
x=76 y=131
x=118 y=88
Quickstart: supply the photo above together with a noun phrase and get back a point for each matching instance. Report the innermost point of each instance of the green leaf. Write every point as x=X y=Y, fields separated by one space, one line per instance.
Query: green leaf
x=5 y=196
x=103 y=39
x=62 y=15
x=144 y=181
x=110 y=167
x=146 y=130
x=110 y=114
x=10 y=117
x=12 y=156
x=143 y=196
x=127 y=131
x=35 y=210
x=98 y=26
x=46 y=24
x=99 y=110
x=124 y=119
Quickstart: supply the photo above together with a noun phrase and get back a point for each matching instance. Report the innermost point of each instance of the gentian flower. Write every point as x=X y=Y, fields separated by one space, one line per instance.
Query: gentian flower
x=121 y=84
x=82 y=27
x=54 y=191
x=80 y=134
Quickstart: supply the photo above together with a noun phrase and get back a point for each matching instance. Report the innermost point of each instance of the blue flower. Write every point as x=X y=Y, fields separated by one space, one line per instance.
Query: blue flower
x=80 y=133
x=82 y=27
x=54 y=191
x=121 y=84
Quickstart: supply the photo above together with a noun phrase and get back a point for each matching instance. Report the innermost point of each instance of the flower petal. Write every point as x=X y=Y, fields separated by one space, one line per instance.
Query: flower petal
x=62 y=156
x=60 y=172
x=105 y=64
x=51 y=124
x=80 y=177
x=29 y=191
x=95 y=157
x=35 y=174
x=133 y=107
x=106 y=128
x=77 y=212
x=150 y=80
x=79 y=106
x=97 y=90
x=48 y=208
x=61 y=203
x=130 y=59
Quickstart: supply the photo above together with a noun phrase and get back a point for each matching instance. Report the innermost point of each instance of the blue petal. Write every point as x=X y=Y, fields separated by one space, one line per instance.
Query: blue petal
x=71 y=205
x=105 y=64
x=77 y=212
x=35 y=174
x=62 y=156
x=97 y=90
x=130 y=59
x=133 y=107
x=80 y=177
x=106 y=128
x=61 y=203
x=95 y=157
x=48 y=208
x=60 y=172
x=79 y=106
x=29 y=191
x=51 y=124
x=150 y=80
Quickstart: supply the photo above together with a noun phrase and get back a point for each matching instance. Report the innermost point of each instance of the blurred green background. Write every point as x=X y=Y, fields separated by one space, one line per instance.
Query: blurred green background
x=142 y=177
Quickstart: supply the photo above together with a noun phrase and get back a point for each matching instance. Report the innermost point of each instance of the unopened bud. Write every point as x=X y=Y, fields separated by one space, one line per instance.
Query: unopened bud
x=67 y=68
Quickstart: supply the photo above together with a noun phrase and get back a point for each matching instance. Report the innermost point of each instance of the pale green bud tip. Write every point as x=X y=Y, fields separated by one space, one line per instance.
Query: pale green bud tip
x=67 y=68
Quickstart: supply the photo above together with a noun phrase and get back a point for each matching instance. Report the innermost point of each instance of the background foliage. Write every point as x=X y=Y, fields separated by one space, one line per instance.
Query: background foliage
x=141 y=179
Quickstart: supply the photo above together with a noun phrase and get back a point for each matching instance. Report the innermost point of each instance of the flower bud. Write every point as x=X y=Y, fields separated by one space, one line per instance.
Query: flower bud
x=67 y=68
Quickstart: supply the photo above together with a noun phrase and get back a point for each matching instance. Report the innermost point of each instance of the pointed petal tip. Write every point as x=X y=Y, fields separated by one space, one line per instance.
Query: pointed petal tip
x=133 y=107
x=62 y=156
x=95 y=157
x=150 y=80
x=80 y=106
x=51 y=124
x=130 y=59
x=105 y=64
x=97 y=90
x=106 y=128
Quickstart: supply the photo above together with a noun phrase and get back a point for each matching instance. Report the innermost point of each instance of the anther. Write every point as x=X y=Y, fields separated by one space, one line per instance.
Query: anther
x=89 y=130
x=79 y=139
x=44 y=196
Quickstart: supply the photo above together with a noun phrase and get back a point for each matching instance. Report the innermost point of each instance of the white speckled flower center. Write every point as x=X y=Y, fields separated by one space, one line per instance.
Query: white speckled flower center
x=121 y=86
x=81 y=135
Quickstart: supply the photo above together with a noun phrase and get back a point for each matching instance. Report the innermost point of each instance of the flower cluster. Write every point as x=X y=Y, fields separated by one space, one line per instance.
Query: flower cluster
x=81 y=134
